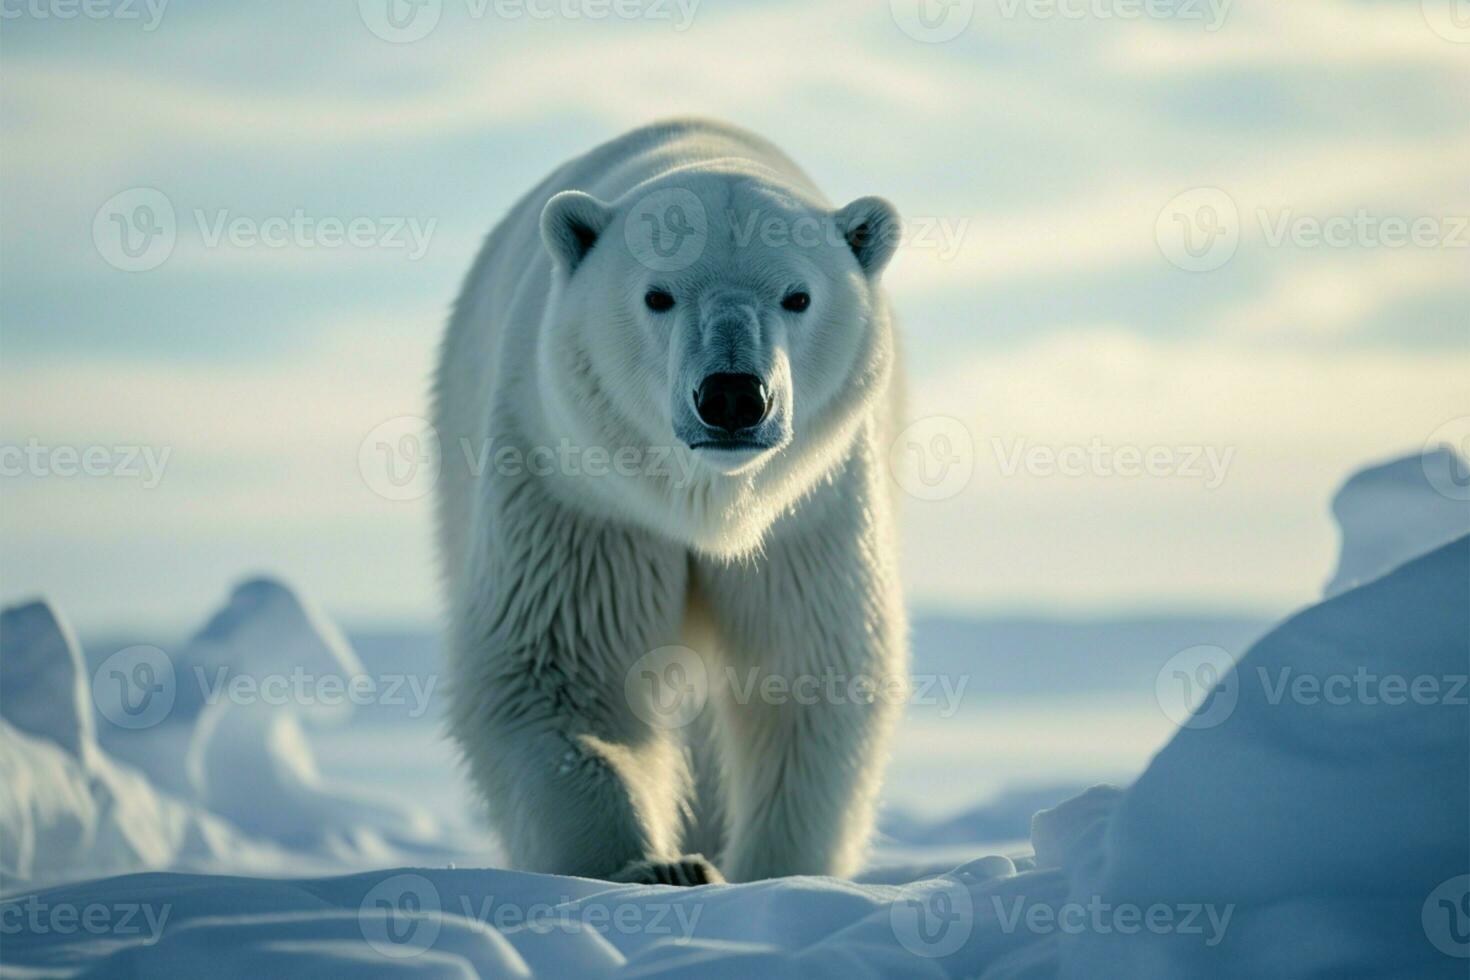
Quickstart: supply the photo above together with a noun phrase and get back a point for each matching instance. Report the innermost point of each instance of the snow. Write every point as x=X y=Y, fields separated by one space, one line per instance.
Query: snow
x=1285 y=829
x=242 y=755
x=67 y=805
x=267 y=629
x=41 y=692
x=60 y=814
x=198 y=772
x=1395 y=511
x=264 y=644
x=1326 y=809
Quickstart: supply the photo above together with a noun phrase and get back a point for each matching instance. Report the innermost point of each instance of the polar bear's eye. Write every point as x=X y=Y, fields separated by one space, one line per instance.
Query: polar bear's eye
x=659 y=300
x=796 y=302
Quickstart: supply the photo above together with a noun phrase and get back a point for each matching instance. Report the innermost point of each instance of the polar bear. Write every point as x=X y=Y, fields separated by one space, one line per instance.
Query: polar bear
x=664 y=400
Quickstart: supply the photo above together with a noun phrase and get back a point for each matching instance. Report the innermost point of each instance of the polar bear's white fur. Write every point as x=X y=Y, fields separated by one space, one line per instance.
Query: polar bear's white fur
x=581 y=534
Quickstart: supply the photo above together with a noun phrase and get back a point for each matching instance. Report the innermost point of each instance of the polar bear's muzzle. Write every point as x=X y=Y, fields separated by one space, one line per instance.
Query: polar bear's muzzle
x=732 y=393
x=732 y=403
x=731 y=412
x=731 y=419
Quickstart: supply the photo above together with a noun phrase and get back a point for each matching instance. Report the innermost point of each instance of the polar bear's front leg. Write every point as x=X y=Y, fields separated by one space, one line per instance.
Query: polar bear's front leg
x=575 y=781
x=817 y=670
x=805 y=778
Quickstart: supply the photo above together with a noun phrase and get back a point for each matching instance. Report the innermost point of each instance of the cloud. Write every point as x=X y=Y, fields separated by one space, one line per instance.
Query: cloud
x=1288 y=425
x=1112 y=223
x=1328 y=295
x=1298 y=36
x=484 y=74
x=261 y=473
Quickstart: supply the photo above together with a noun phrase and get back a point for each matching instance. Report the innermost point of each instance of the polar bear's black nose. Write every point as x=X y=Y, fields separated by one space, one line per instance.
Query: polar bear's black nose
x=732 y=401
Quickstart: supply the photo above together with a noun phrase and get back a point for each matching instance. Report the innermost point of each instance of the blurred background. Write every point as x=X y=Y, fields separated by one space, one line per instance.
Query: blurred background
x=231 y=237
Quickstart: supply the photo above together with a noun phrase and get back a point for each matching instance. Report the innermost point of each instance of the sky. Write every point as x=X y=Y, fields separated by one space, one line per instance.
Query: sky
x=1173 y=270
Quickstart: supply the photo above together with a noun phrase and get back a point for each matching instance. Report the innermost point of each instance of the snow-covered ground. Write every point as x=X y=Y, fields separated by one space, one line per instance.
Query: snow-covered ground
x=1308 y=817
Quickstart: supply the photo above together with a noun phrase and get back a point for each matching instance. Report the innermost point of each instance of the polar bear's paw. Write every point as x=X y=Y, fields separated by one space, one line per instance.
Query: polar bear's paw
x=691 y=869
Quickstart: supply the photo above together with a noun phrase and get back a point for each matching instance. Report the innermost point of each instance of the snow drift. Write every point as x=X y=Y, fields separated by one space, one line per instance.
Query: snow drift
x=67 y=806
x=175 y=768
x=1310 y=818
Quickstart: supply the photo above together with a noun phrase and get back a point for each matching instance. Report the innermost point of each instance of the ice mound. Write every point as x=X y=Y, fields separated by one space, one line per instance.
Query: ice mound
x=265 y=629
x=67 y=808
x=266 y=644
x=61 y=818
x=249 y=756
x=42 y=692
x=192 y=769
x=254 y=765
x=1322 y=795
x=1391 y=513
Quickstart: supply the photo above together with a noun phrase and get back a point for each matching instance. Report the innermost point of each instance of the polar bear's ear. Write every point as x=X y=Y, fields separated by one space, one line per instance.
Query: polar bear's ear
x=872 y=228
x=570 y=225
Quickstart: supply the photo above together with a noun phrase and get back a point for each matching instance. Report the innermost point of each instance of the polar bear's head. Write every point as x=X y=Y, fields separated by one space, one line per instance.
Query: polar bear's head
x=727 y=319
